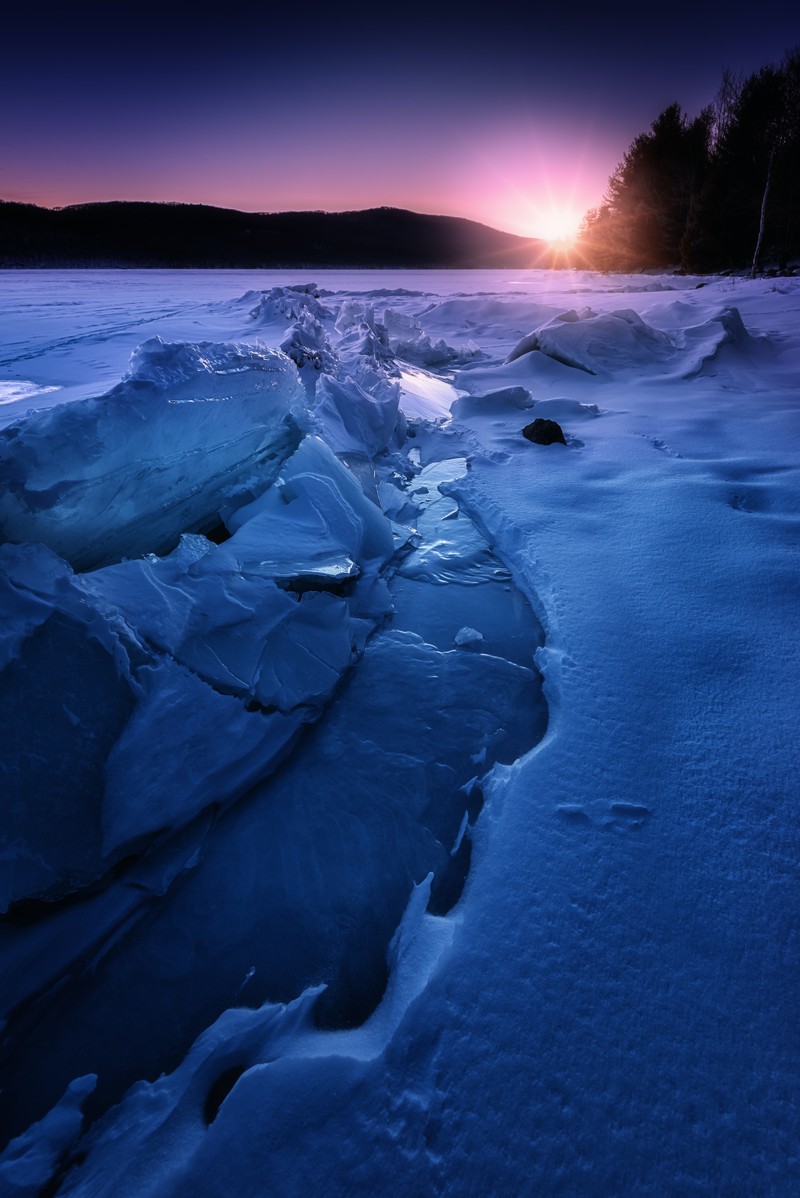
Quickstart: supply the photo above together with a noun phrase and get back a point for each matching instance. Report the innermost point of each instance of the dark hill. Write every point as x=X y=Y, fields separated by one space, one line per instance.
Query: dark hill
x=194 y=235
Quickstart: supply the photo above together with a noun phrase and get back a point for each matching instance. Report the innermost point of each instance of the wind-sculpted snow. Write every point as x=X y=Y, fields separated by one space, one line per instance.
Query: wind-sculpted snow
x=505 y=401
x=215 y=1082
x=158 y=455
x=612 y=343
x=719 y=341
x=598 y=343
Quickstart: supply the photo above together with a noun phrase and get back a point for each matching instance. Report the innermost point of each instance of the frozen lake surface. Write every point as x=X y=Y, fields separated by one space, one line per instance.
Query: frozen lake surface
x=392 y=805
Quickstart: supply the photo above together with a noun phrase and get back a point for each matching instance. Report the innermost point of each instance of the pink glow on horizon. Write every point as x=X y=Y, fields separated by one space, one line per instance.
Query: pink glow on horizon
x=524 y=180
x=513 y=119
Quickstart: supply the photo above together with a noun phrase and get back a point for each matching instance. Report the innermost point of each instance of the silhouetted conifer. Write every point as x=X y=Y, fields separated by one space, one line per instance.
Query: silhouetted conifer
x=720 y=191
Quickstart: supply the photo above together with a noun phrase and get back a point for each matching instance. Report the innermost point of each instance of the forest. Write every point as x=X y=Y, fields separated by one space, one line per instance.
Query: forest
x=720 y=191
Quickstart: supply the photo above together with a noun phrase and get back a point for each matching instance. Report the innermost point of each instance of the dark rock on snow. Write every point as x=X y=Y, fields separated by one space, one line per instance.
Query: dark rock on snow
x=544 y=432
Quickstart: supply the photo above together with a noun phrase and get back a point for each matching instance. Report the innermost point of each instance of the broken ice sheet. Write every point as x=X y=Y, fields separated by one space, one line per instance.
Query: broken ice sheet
x=126 y=473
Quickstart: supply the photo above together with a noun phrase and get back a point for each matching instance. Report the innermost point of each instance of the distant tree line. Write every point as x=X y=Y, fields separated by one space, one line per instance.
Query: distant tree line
x=135 y=234
x=720 y=191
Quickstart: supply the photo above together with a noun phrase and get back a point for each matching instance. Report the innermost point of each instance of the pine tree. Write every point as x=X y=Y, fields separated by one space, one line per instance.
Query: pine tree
x=650 y=195
x=749 y=204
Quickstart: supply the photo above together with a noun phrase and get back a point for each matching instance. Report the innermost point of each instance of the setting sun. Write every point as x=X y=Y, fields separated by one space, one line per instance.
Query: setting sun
x=546 y=218
x=559 y=227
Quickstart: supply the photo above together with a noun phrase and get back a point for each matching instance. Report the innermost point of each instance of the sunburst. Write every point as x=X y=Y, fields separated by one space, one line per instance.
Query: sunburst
x=559 y=227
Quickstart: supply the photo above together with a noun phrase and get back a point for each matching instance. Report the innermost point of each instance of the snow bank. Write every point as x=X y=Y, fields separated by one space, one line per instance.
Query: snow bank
x=598 y=344
x=609 y=344
x=503 y=402
x=719 y=341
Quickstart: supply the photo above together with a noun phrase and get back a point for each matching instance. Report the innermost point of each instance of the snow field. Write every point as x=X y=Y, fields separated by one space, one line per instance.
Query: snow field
x=592 y=988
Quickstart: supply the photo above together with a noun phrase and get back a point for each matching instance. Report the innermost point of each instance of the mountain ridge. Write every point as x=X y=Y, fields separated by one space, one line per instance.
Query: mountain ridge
x=140 y=233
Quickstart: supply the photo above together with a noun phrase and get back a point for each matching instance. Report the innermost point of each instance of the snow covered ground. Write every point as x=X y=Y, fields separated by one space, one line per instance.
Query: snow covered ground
x=391 y=805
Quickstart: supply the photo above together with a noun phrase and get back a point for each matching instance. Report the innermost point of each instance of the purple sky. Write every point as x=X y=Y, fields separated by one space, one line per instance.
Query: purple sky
x=515 y=119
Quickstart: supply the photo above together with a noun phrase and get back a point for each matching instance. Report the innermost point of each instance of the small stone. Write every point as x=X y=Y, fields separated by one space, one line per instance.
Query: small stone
x=544 y=432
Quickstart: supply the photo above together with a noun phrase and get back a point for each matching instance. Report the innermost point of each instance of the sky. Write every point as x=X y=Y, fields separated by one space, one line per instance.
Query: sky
x=514 y=117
